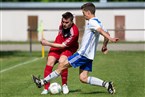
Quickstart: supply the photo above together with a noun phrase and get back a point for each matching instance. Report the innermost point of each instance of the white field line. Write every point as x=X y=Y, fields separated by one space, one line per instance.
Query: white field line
x=30 y=61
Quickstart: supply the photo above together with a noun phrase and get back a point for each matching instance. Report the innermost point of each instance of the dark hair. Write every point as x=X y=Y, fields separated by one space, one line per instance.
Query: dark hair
x=68 y=15
x=89 y=7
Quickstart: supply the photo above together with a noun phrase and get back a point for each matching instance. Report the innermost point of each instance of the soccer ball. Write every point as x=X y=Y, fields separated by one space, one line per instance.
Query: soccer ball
x=55 y=88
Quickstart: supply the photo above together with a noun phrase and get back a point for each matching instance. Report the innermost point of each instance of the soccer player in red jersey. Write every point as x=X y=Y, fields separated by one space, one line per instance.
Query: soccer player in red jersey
x=65 y=44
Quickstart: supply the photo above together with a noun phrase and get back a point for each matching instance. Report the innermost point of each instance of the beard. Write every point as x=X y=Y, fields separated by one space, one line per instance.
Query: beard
x=65 y=27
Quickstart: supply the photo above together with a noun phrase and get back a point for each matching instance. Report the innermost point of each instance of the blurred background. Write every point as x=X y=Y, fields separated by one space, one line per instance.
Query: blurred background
x=20 y=19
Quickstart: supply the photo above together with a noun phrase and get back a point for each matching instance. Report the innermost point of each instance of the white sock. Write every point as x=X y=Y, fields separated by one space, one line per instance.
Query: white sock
x=51 y=76
x=106 y=84
x=42 y=82
x=97 y=82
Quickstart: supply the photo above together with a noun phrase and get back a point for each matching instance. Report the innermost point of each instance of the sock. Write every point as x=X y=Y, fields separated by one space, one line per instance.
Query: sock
x=64 y=75
x=51 y=76
x=105 y=84
x=97 y=81
x=47 y=71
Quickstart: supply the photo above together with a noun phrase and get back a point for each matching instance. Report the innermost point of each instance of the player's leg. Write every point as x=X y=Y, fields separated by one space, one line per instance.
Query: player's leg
x=84 y=78
x=64 y=75
x=73 y=60
x=84 y=71
x=99 y=82
x=51 y=60
x=64 y=55
x=56 y=73
x=53 y=75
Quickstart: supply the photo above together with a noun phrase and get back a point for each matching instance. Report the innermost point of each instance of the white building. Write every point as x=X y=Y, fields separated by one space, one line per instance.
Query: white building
x=123 y=20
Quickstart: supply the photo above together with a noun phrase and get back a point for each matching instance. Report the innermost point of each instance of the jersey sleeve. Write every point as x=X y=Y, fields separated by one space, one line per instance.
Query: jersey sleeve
x=95 y=24
x=73 y=39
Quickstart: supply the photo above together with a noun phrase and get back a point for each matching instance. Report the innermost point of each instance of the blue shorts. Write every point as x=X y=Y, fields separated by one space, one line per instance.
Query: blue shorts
x=77 y=60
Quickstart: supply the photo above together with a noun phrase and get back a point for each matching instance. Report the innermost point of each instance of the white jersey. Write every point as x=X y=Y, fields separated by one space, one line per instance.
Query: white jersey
x=90 y=38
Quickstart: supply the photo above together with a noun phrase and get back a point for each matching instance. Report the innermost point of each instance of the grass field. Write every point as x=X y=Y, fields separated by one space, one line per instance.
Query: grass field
x=125 y=69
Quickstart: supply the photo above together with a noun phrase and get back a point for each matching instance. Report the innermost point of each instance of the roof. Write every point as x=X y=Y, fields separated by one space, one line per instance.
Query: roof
x=70 y=5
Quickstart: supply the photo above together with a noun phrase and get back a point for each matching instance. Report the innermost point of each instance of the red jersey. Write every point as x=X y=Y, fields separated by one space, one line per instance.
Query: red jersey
x=69 y=37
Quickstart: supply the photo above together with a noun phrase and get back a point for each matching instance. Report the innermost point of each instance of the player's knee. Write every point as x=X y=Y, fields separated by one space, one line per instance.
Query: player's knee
x=60 y=67
x=50 y=63
x=83 y=79
x=61 y=61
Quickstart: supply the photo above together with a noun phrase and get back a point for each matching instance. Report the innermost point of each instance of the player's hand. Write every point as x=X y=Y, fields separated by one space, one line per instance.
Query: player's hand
x=114 y=39
x=44 y=42
x=104 y=50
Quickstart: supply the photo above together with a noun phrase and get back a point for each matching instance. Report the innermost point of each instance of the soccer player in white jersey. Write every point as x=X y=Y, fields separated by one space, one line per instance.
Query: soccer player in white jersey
x=85 y=55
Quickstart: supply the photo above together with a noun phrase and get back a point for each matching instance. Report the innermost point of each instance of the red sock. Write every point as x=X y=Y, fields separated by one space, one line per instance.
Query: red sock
x=47 y=71
x=64 y=75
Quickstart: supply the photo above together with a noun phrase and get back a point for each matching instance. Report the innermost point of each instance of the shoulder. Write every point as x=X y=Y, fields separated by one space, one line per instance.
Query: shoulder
x=94 y=21
x=74 y=28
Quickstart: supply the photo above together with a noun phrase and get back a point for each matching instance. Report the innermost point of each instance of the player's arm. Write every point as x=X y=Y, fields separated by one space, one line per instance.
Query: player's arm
x=106 y=39
x=106 y=35
x=96 y=26
x=105 y=42
x=44 y=42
